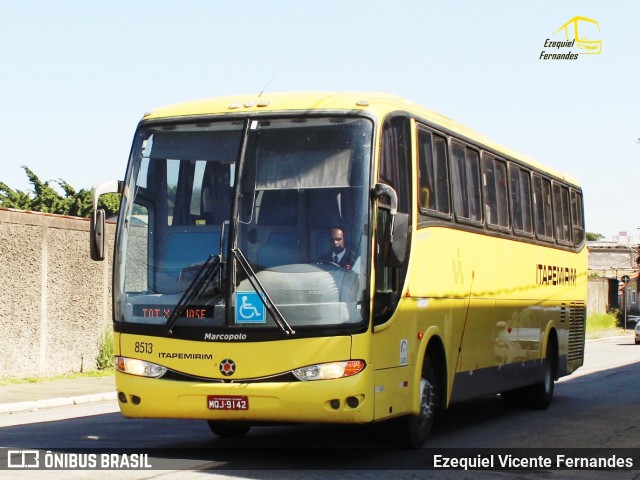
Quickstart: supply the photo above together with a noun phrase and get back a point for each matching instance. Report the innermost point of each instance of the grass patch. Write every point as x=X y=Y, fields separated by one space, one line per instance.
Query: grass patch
x=104 y=360
x=601 y=321
x=68 y=376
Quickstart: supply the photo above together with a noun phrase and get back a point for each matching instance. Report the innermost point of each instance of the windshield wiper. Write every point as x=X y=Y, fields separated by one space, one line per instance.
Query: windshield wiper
x=195 y=289
x=257 y=286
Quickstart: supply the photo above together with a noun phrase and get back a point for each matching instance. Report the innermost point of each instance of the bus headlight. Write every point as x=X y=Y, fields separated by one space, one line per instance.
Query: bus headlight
x=329 y=371
x=140 y=368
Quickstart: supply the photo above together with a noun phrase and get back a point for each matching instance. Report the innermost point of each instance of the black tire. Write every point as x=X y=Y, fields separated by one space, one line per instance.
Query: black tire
x=413 y=431
x=539 y=395
x=229 y=429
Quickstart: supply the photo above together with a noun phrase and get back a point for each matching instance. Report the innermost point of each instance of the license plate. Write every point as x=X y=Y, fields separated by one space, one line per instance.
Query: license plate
x=227 y=402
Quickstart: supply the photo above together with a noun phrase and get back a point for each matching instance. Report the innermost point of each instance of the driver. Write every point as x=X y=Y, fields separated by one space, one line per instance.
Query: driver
x=337 y=252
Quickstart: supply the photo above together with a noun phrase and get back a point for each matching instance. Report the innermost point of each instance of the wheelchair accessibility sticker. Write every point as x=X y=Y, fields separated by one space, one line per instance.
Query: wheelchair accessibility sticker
x=250 y=308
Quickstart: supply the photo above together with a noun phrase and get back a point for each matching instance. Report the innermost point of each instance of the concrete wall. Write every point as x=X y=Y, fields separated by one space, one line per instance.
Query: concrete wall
x=597 y=296
x=55 y=302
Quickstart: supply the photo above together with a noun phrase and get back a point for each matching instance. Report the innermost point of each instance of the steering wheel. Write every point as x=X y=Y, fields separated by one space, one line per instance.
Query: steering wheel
x=329 y=262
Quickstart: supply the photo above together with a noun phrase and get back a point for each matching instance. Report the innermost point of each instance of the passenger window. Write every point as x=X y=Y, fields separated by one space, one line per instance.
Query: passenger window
x=577 y=217
x=495 y=192
x=432 y=171
x=542 y=207
x=395 y=171
x=466 y=183
x=394 y=160
x=520 y=200
x=561 y=213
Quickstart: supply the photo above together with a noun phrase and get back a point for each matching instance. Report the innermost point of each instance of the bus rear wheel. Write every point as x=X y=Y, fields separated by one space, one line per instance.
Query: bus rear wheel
x=539 y=395
x=228 y=429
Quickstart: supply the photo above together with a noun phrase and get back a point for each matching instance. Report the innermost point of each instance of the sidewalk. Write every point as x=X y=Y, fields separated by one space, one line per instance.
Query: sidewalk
x=21 y=397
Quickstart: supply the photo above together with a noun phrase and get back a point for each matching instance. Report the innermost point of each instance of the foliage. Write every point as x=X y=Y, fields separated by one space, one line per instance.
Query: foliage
x=46 y=199
x=594 y=237
x=104 y=360
x=601 y=321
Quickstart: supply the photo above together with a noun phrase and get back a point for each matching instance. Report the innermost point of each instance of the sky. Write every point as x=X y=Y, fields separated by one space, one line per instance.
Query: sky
x=77 y=76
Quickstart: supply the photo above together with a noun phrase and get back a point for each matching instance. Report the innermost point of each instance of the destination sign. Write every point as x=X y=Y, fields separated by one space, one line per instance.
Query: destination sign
x=163 y=311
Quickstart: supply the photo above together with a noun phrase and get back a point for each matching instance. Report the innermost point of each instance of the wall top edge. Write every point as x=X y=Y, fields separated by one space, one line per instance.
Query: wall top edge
x=24 y=217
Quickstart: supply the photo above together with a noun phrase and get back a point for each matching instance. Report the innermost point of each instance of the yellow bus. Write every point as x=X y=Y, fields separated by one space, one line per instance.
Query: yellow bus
x=462 y=269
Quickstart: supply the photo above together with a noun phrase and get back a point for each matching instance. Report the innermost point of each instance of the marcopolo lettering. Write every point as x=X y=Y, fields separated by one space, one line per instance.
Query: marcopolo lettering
x=225 y=336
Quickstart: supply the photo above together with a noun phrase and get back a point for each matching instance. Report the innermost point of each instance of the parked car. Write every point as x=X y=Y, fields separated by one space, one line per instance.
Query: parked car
x=636 y=334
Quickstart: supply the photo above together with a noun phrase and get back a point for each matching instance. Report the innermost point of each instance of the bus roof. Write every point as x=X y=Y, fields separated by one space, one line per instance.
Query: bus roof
x=377 y=104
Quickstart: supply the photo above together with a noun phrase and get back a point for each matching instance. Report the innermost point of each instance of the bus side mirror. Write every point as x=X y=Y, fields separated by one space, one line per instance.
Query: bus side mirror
x=97 y=234
x=396 y=227
x=397 y=248
x=97 y=229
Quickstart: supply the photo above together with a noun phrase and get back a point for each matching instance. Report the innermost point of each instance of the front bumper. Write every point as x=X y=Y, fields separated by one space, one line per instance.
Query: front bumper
x=329 y=401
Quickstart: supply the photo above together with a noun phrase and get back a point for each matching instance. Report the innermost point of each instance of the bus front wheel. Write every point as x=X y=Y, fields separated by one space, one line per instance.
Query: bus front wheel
x=228 y=429
x=414 y=430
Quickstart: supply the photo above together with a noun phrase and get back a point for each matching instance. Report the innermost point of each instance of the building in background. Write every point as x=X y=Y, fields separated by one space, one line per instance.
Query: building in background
x=610 y=263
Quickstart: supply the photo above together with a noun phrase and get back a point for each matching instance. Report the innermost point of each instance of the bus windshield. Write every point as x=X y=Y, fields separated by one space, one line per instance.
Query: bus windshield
x=273 y=211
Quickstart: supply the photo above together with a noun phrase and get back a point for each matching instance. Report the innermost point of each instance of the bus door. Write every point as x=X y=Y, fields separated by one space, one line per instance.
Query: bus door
x=393 y=340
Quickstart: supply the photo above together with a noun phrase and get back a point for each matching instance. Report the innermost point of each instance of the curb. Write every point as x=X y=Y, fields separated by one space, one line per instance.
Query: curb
x=56 y=402
x=628 y=335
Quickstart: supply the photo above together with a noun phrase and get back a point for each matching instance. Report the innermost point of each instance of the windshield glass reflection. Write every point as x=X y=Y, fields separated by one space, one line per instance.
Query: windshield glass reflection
x=302 y=180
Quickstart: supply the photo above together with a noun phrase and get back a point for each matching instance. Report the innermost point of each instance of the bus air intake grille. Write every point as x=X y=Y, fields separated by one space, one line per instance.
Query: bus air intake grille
x=577 y=314
x=286 y=377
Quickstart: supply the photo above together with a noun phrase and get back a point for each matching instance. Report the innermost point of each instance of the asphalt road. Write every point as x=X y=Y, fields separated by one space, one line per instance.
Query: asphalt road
x=597 y=407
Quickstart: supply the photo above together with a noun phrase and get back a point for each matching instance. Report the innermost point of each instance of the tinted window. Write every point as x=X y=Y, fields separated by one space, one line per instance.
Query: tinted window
x=520 y=200
x=494 y=180
x=577 y=217
x=542 y=206
x=561 y=213
x=432 y=166
x=466 y=183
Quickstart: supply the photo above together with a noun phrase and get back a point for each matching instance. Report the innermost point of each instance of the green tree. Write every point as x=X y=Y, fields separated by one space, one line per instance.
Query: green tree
x=46 y=199
x=10 y=198
x=593 y=237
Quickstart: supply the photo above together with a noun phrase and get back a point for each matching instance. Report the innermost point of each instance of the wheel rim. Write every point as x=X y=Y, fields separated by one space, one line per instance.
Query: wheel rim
x=547 y=379
x=426 y=402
